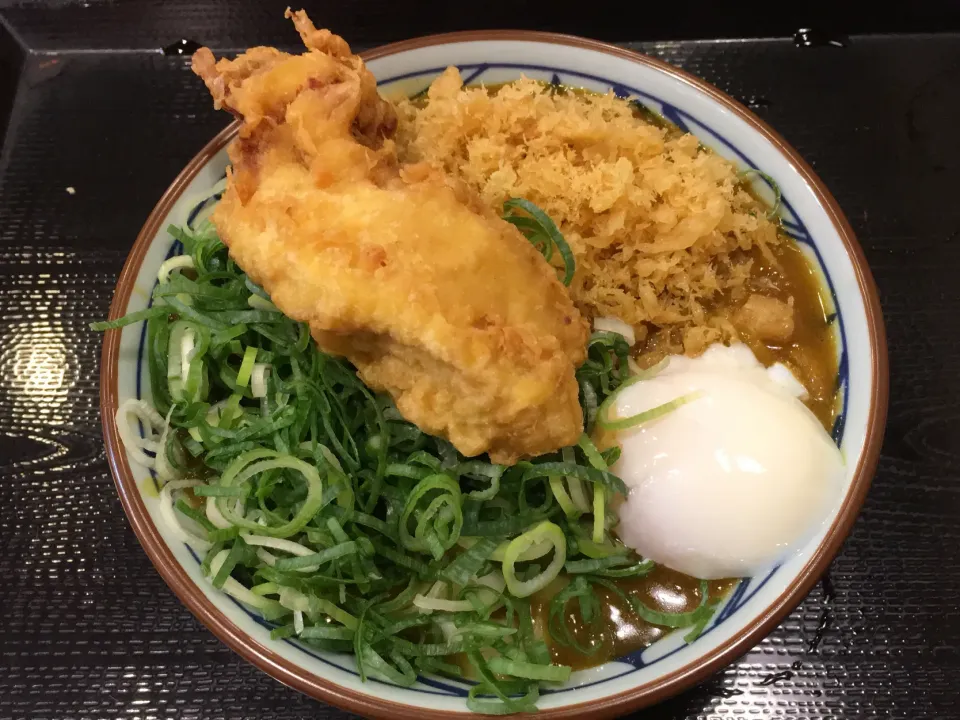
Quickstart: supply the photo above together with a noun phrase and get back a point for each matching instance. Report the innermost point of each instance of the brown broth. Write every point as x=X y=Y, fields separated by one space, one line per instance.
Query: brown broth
x=618 y=631
x=811 y=352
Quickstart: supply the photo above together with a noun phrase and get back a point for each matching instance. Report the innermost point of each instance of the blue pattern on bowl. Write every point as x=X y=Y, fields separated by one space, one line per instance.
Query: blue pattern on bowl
x=793 y=225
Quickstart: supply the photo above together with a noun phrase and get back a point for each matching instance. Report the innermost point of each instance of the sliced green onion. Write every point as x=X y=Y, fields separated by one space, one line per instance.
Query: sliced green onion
x=593 y=565
x=492 y=472
x=402 y=600
x=134 y=317
x=246 y=366
x=270 y=609
x=319 y=558
x=228 y=563
x=697 y=629
x=512 y=704
x=487 y=629
x=563 y=498
x=178 y=262
x=167 y=513
x=665 y=619
x=214 y=516
x=544 y=227
x=282 y=631
x=253 y=462
x=505 y=692
x=575 y=484
x=590 y=450
x=429 y=604
x=588 y=399
x=407 y=470
x=643 y=417
x=466 y=565
x=532 y=553
x=261 y=303
x=320 y=632
x=591 y=474
x=427 y=664
x=153 y=424
x=531 y=671
x=616 y=325
x=404 y=624
x=599 y=550
x=219 y=491
x=401 y=673
x=774 y=185
x=336 y=612
x=676 y=620
x=435 y=531
x=424 y=458
x=581 y=589
x=638 y=569
x=230 y=412
x=258 y=380
x=599 y=513
x=544 y=531
x=267 y=588
x=275 y=543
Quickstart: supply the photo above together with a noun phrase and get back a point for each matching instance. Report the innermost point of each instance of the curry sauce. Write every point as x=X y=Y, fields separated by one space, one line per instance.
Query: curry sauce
x=617 y=631
x=811 y=351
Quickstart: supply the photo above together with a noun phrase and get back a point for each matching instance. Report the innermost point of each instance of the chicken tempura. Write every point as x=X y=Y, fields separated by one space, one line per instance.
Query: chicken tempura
x=433 y=298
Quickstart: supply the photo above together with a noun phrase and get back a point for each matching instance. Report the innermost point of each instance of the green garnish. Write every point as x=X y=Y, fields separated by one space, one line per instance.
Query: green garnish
x=778 y=199
x=319 y=506
x=541 y=231
x=603 y=412
x=544 y=532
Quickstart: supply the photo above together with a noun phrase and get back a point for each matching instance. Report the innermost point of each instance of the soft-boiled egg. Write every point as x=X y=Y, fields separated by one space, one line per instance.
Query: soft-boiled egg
x=729 y=482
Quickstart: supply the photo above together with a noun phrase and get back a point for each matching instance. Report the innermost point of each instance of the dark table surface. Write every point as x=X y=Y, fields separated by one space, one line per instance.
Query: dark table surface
x=87 y=627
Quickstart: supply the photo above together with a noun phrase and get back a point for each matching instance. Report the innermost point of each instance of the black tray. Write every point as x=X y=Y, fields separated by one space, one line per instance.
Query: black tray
x=98 y=121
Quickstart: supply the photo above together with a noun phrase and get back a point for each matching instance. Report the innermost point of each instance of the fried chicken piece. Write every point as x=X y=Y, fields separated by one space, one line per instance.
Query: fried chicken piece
x=435 y=299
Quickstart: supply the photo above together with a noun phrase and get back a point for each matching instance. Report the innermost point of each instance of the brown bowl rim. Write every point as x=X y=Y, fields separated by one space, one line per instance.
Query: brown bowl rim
x=369 y=705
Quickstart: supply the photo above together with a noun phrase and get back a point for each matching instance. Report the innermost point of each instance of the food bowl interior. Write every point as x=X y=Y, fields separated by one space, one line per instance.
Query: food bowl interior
x=808 y=215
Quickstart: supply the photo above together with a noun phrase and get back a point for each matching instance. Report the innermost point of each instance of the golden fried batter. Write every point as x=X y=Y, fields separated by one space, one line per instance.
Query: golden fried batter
x=433 y=297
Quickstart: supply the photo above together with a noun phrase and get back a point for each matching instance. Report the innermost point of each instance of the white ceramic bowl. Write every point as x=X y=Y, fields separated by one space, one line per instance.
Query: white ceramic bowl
x=809 y=213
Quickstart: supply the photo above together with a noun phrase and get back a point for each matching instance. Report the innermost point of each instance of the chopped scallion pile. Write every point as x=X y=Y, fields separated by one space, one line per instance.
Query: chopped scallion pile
x=315 y=503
